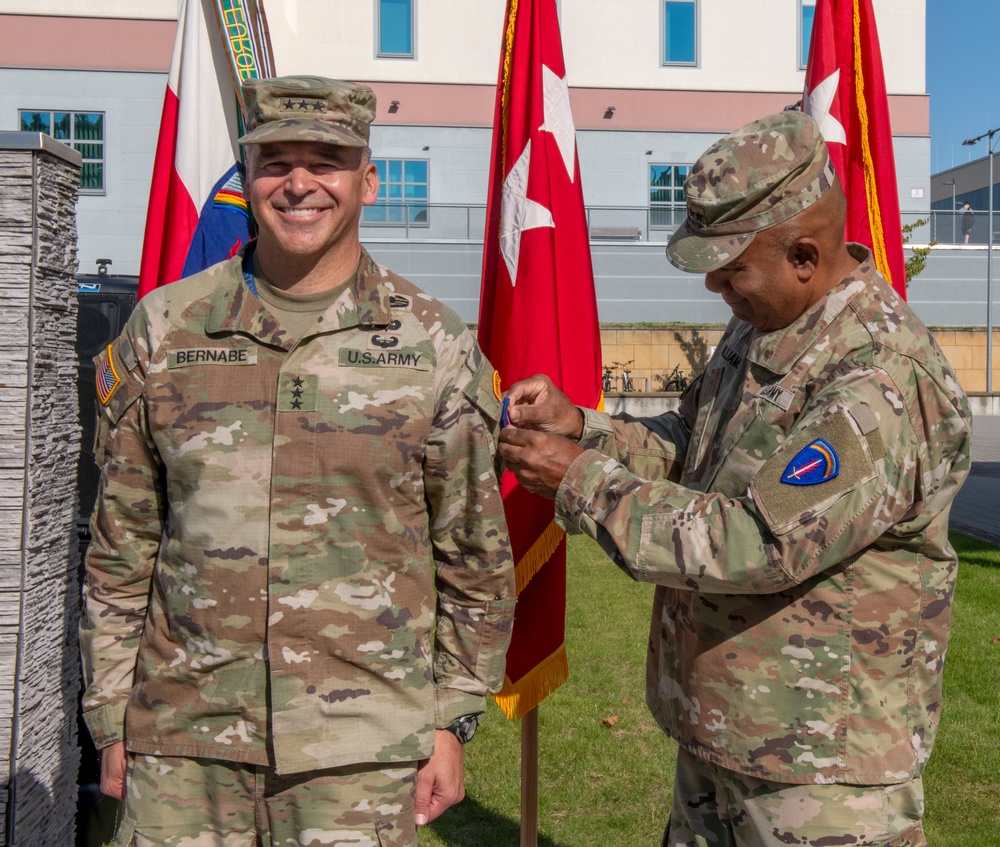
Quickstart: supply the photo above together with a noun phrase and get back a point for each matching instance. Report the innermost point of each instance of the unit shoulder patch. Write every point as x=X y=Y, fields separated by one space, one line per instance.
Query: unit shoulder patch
x=808 y=473
x=815 y=463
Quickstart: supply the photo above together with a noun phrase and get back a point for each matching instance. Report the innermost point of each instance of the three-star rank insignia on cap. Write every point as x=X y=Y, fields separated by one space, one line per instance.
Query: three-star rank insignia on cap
x=815 y=463
x=107 y=378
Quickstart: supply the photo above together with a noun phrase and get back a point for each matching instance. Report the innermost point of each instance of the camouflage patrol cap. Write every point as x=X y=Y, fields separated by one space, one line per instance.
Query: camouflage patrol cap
x=763 y=174
x=308 y=108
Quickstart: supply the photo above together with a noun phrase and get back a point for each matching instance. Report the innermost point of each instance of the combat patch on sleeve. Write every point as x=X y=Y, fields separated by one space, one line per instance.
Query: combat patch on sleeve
x=809 y=473
x=108 y=380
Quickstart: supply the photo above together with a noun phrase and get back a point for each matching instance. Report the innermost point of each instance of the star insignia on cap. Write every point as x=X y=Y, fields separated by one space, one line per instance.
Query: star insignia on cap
x=287 y=104
x=316 y=107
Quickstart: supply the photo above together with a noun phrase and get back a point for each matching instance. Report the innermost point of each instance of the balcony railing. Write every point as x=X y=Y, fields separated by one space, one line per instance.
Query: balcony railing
x=466 y=223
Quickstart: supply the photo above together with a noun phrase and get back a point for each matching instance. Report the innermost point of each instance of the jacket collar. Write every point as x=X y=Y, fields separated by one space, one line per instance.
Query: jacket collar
x=235 y=310
x=778 y=351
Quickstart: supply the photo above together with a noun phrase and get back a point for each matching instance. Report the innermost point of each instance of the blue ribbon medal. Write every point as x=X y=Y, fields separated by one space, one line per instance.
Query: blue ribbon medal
x=815 y=463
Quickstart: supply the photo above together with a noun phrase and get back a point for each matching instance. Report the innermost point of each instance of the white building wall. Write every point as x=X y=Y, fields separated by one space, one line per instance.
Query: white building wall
x=110 y=226
x=745 y=45
x=447 y=102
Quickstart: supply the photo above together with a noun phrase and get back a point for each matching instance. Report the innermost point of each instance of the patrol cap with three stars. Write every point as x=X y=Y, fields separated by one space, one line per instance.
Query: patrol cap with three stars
x=308 y=108
x=759 y=176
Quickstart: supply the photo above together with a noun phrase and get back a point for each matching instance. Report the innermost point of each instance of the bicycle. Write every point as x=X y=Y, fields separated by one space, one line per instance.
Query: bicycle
x=677 y=380
x=608 y=380
x=626 y=378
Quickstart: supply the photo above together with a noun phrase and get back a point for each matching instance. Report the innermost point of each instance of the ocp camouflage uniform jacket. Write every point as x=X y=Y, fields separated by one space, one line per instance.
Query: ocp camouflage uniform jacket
x=299 y=549
x=798 y=631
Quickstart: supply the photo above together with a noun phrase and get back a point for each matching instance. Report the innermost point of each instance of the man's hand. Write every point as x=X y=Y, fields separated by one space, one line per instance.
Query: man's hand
x=440 y=779
x=535 y=403
x=538 y=459
x=113 y=760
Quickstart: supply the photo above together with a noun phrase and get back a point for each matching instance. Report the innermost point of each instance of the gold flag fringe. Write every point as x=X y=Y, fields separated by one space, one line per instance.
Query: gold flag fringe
x=516 y=699
x=538 y=554
x=871 y=189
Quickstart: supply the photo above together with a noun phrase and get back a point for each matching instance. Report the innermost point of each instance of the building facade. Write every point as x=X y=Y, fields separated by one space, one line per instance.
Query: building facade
x=652 y=83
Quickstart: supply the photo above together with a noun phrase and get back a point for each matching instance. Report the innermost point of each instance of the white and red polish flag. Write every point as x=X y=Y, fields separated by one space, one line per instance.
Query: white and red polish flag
x=197 y=215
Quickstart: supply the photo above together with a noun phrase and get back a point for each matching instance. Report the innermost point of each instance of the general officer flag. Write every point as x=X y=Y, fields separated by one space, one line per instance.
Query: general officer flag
x=196 y=214
x=538 y=312
x=845 y=93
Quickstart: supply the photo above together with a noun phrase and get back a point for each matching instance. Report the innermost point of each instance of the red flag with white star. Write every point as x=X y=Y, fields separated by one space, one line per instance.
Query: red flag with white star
x=537 y=313
x=845 y=92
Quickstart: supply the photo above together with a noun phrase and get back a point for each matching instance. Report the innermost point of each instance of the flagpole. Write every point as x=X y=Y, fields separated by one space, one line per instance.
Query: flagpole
x=529 y=779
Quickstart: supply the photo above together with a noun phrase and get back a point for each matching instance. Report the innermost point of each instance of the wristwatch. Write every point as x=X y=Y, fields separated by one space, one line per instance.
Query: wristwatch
x=464 y=728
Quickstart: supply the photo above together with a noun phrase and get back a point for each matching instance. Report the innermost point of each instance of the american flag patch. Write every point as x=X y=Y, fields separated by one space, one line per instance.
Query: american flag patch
x=107 y=379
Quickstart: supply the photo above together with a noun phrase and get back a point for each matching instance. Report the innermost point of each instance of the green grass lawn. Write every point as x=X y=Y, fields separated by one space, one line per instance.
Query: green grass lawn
x=610 y=785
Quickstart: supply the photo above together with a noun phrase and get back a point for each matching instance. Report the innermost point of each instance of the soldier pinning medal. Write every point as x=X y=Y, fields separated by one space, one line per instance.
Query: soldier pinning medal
x=793 y=514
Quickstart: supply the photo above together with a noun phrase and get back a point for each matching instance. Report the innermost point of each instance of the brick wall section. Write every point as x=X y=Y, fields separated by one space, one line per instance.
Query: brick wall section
x=39 y=445
x=654 y=351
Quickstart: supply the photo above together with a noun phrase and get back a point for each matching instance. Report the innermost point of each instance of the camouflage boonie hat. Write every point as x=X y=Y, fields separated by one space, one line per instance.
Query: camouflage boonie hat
x=308 y=108
x=764 y=173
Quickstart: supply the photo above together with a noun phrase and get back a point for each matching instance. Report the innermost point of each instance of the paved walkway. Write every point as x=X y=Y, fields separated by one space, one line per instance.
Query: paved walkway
x=976 y=510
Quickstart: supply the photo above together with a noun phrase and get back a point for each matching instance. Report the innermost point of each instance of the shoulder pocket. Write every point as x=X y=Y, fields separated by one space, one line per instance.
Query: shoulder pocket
x=812 y=471
x=118 y=386
x=482 y=388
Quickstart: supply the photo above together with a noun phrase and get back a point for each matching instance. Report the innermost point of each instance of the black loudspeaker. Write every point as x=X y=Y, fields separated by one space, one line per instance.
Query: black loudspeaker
x=105 y=303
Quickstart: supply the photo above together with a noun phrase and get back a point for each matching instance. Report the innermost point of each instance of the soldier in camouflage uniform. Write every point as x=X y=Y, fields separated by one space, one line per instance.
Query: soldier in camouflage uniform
x=793 y=515
x=300 y=586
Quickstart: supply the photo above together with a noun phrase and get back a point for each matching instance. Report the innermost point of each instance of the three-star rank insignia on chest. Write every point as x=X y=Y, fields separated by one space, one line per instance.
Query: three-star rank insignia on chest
x=815 y=463
x=297 y=393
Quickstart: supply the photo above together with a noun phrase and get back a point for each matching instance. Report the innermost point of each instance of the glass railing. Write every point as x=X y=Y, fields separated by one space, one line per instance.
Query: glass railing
x=425 y=221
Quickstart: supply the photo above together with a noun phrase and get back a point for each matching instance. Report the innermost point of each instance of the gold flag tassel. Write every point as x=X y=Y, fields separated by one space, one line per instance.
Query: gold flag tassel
x=517 y=699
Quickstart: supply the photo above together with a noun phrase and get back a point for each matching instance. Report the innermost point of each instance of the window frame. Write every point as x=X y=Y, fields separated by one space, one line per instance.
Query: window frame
x=379 y=54
x=696 y=35
x=72 y=142
x=676 y=203
x=803 y=49
x=387 y=203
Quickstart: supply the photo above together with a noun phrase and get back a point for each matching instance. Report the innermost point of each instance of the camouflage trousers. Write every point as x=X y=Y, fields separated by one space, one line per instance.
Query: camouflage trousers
x=212 y=803
x=717 y=807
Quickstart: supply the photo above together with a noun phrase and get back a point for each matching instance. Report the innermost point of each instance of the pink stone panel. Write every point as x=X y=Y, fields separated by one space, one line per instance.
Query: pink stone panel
x=425 y=104
x=93 y=44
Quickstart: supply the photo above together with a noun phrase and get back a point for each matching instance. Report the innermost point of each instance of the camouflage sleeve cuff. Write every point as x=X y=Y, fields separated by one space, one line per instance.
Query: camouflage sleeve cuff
x=579 y=485
x=106 y=724
x=450 y=705
x=598 y=431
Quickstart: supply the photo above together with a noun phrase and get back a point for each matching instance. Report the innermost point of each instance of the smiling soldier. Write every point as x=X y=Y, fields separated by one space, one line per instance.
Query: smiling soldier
x=793 y=515
x=300 y=587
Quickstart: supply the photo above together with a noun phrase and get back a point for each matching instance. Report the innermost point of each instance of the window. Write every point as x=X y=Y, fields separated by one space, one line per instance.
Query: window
x=402 y=193
x=680 y=32
x=666 y=195
x=83 y=131
x=394 y=28
x=807 y=11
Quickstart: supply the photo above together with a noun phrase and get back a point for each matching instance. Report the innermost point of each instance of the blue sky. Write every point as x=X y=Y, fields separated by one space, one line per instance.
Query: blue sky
x=963 y=77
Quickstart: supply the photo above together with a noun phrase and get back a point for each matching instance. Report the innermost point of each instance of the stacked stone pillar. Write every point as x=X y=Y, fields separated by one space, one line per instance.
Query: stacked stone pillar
x=39 y=445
